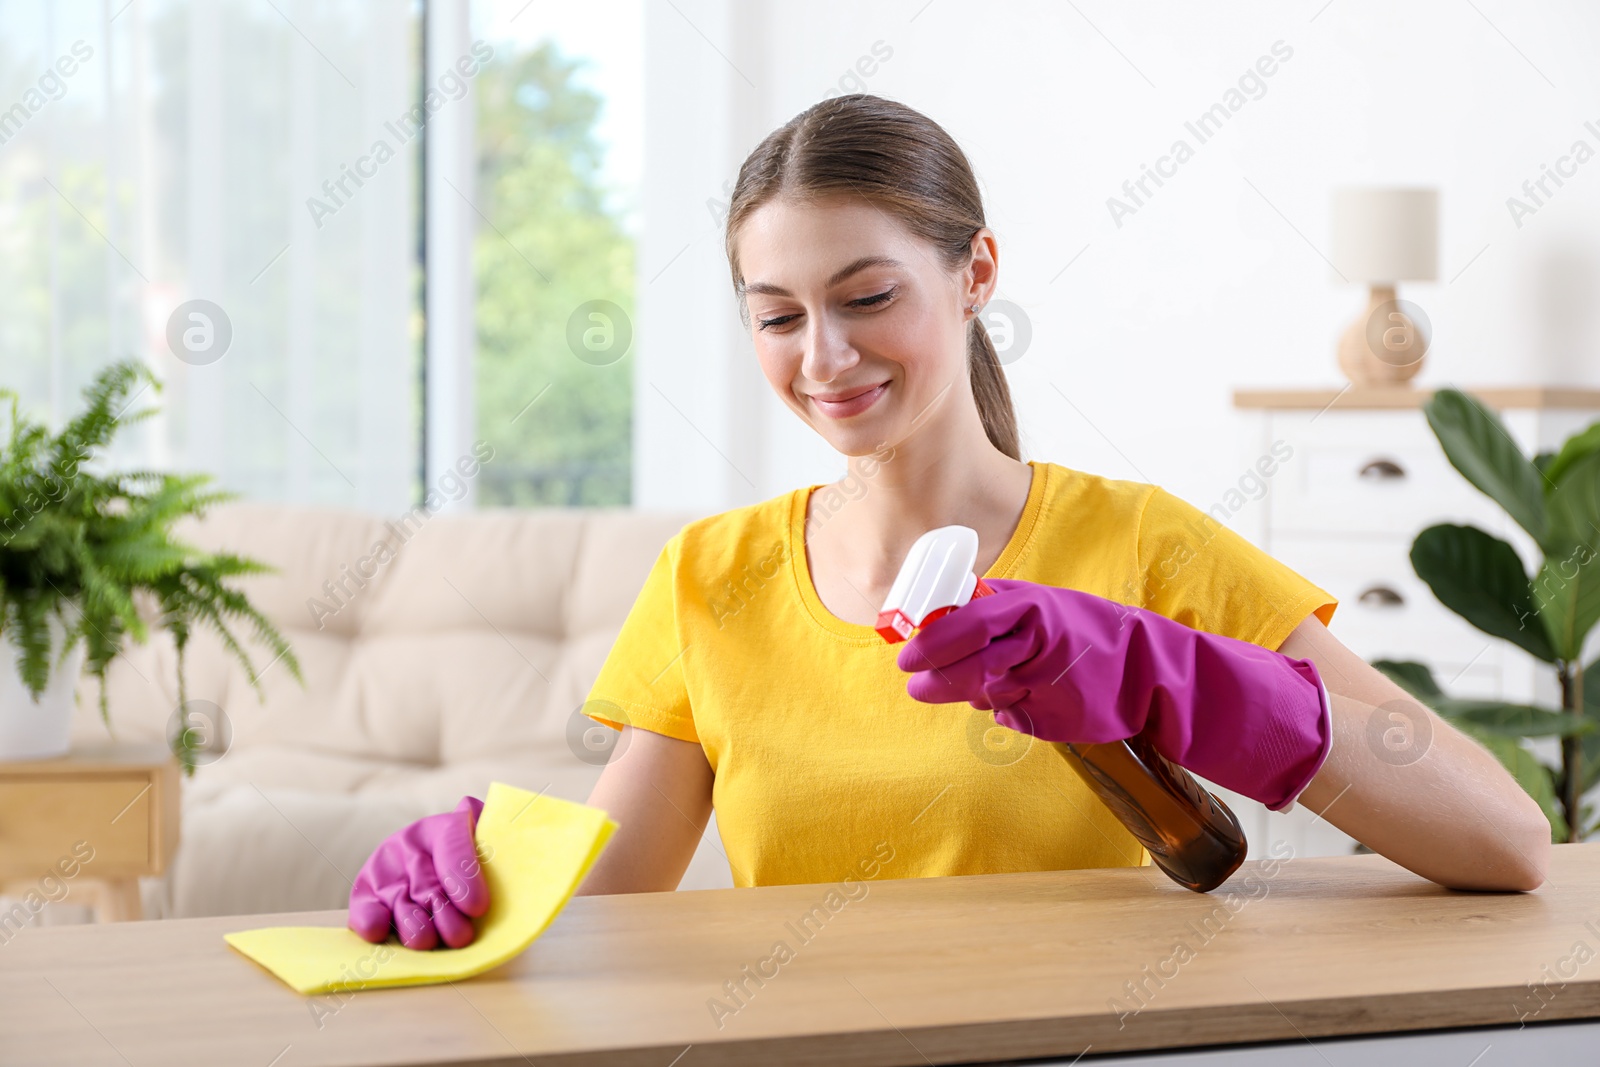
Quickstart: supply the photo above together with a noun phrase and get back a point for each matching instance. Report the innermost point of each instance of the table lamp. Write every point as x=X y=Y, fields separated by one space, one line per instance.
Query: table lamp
x=1382 y=236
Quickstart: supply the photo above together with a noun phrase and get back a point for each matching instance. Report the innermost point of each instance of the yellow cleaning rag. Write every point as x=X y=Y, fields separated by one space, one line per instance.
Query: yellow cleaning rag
x=536 y=850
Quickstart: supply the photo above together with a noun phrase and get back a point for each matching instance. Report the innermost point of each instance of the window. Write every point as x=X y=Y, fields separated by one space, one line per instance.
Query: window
x=225 y=153
x=558 y=145
x=276 y=187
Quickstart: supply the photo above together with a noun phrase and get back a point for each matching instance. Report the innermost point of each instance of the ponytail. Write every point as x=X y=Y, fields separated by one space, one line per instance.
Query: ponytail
x=990 y=391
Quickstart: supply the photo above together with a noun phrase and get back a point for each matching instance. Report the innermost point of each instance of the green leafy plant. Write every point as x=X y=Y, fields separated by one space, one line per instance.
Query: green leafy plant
x=1555 y=497
x=85 y=548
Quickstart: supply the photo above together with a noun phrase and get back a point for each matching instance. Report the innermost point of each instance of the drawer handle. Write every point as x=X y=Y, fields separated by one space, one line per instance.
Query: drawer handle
x=1381 y=596
x=1382 y=469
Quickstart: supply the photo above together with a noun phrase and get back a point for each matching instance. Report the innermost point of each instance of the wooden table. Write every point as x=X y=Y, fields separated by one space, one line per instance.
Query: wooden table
x=917 y=971
x=99 y=817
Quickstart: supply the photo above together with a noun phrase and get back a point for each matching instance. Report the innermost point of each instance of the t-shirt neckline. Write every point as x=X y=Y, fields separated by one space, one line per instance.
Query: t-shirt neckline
x=800 y=567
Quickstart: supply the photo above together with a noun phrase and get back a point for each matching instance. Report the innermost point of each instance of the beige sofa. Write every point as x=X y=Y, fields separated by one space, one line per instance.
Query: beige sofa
x=439 y=653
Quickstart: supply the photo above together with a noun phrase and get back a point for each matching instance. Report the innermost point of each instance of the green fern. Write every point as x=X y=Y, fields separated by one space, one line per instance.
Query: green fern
x=82 y=547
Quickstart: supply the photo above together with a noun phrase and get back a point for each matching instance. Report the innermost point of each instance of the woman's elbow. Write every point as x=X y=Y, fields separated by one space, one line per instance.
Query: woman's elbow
x=1532 y=846
x=1517 y=860
x=1534 y=855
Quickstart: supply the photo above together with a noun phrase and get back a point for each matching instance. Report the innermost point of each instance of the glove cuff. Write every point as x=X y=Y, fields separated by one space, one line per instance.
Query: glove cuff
x=1327 y=739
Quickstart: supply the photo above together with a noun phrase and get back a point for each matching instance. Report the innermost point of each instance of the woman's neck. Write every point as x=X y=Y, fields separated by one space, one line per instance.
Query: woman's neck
x=895 y=500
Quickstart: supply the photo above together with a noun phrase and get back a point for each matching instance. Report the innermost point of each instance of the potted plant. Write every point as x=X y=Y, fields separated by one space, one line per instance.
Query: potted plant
x=88 y=560
x=1555 y=497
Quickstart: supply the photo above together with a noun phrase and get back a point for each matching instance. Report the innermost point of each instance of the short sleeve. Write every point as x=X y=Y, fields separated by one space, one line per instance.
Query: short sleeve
x=1196 y=570
x=641 y=682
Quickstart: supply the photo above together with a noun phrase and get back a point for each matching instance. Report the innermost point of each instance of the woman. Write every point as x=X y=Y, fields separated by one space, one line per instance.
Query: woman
x=748 y=676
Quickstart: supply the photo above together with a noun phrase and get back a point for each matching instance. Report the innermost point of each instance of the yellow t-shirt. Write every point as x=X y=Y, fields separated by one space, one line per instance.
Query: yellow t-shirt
x=825 y=765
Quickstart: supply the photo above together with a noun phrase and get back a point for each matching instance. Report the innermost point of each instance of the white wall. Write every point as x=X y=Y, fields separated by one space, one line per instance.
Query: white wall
x=1213 y=284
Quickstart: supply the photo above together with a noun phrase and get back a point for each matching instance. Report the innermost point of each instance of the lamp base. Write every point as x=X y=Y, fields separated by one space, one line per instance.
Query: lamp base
x=1386 y=344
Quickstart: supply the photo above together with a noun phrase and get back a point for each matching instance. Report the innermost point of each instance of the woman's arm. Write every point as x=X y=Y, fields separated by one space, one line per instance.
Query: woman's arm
x=658 y=789
x=1454 y=816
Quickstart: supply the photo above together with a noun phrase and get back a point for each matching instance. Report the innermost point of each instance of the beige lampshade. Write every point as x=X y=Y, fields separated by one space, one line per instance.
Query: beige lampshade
x=1385 y=235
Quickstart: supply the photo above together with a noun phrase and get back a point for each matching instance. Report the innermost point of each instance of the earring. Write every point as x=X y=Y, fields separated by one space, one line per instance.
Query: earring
x=972 y=308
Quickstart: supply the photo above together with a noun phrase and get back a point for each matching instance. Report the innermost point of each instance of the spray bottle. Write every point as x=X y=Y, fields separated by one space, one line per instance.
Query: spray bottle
x=1190 y=834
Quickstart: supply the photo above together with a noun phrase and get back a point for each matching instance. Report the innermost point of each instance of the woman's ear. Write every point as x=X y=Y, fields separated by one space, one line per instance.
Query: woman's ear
x=983 y=272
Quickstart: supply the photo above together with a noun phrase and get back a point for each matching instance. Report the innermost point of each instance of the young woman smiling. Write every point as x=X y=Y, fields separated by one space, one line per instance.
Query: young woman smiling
x=859 y=251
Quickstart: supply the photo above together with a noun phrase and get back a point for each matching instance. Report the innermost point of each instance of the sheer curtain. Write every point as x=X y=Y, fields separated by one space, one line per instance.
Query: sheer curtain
x=227 y=191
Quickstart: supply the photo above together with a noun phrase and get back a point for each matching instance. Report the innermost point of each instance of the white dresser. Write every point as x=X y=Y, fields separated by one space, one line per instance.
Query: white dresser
x=1364 y=475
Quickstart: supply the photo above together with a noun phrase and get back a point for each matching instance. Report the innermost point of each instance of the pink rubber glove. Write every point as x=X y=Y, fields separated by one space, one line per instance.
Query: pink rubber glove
x=1065 y=665
x=423 y=880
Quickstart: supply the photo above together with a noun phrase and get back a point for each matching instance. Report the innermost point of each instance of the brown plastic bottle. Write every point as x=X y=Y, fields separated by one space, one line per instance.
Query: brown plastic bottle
x=1191 y=834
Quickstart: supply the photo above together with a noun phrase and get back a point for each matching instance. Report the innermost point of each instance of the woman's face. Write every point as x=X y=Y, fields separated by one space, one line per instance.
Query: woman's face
x=859 y=329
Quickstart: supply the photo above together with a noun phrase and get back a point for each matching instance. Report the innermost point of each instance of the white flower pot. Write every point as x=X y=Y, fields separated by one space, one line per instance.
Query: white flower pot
x=39 y=729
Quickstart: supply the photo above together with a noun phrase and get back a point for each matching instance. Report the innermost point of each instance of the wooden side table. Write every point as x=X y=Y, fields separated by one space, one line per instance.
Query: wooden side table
x=101 y=815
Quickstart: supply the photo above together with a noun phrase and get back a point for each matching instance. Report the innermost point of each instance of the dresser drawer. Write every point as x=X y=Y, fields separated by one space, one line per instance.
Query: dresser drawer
x=1369 y=472
x=1385 y=611
x=42 y=821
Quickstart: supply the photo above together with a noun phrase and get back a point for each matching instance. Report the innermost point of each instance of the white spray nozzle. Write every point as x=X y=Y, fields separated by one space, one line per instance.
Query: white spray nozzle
x=935 y=579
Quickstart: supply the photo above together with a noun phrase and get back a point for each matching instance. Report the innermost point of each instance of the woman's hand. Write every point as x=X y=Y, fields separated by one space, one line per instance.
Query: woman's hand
x=1065 y=665
x=424 y=881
